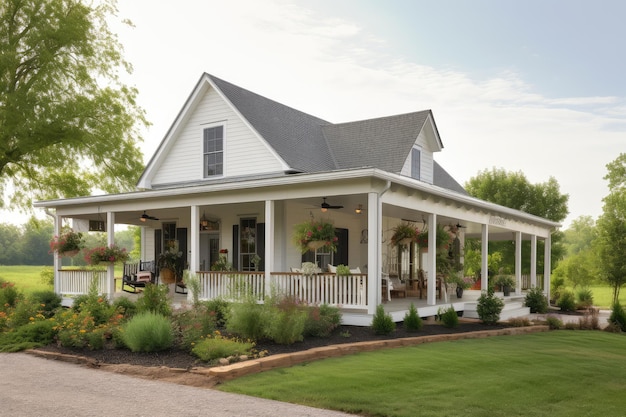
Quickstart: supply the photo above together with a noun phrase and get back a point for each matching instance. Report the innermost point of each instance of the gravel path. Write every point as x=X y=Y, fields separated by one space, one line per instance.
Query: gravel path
x=32 y=386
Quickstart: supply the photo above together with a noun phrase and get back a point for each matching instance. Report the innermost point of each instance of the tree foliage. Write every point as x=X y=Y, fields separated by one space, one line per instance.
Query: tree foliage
x=68 y=125
x=611 y=241
x=513 y=190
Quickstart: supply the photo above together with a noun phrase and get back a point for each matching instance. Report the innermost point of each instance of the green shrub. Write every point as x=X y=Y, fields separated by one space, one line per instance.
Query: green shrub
x=567 y=301
x=519 y=322
x=285 y=321
x=322 y=320
x=28 y=336
x=585 y=298
x=148 y=332
x=246 y=319
x=154 y=299
x=536 y=301
x=216 y=346
x=618 y=316
x=219 y=307
x=194 y=324
x=489 y=307
x=557 y=286
x=47 y=300
x=412 y=322
x=571 y=326
x=23 y=313
x=382 y=323
x=448 y=317
x=554 y=322
x=125 y=307
x=47 y=275
x=9 y=295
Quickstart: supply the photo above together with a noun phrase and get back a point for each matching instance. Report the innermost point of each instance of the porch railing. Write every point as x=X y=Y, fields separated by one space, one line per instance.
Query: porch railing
x=78 y=281
x=344 y=291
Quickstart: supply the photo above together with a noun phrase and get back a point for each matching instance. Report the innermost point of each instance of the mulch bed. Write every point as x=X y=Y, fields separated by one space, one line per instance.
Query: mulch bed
x=176 y=358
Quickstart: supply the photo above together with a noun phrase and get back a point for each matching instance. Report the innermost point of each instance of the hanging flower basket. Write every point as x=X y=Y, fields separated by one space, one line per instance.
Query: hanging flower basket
x=167 y=276
x=68 y=243
x=403 y=234
x=106 y=255
x=315 y=234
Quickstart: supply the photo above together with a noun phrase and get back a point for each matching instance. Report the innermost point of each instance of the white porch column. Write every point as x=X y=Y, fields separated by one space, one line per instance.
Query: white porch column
x=374 y=252
x=431 y=294
x=110 y=284
x=194 y=247
x=547 y=266
x=484 y=284
x=270 y=208
x=533 y=261
x=518 y=263
x=57 y=260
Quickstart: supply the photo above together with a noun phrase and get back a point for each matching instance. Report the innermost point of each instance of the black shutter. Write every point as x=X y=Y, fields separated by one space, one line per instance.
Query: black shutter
x=341 y=256
x=236 y=247
x=260 y=244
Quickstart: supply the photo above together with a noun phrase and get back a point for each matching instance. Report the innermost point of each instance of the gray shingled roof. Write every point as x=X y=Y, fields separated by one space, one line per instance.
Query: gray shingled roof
x=310 y=144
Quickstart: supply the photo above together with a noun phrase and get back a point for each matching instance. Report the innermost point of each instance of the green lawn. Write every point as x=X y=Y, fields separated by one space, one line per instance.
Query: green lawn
x=603 y=296
x=559 y=373
x=26 y=278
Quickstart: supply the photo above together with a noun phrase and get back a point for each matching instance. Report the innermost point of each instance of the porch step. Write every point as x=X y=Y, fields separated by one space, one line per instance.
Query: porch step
x=513 y=307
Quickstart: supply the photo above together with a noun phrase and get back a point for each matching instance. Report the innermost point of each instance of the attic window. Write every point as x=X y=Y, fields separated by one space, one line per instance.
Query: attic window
x=213 y=151
x=416 y=163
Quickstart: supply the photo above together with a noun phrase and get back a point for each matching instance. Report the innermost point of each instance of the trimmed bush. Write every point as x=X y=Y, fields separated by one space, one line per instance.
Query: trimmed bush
x=148 y=332
x=536 y=301
x=449 y=318
x=322 y=320
x=489 y=307
x=412 y=322
x=618 y=316
x=382 y=323
x=217 y=346
x=567 y=301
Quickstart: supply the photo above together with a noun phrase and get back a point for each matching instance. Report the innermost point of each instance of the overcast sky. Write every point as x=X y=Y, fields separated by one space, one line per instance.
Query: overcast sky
x=535 y=86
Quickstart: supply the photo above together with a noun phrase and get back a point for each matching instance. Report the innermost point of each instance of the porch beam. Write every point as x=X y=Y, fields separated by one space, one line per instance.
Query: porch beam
x=270 y=208
x=518 y=263
x=547 y=266
x=431 y=294
x=374 y=252
x=110 y=282
x=533 y=261
x=484 y=253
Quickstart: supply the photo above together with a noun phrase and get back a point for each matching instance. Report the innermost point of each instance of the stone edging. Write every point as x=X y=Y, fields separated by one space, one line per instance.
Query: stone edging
x=227 y=372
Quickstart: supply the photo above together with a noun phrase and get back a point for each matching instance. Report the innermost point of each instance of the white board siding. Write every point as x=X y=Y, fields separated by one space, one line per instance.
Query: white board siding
x=427 y=161
x=244 y=153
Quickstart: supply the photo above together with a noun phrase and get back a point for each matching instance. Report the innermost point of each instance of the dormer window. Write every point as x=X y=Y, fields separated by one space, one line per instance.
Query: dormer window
x=213 y=151
x=416 y=163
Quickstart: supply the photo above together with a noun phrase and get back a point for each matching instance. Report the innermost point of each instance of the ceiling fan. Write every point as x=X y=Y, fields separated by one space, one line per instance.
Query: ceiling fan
x=144 y=217
x=325 y=206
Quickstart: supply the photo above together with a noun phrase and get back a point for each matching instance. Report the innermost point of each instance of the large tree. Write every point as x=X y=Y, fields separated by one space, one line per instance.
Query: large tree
x=68 y=124
x=512 y=189
x=611 y=241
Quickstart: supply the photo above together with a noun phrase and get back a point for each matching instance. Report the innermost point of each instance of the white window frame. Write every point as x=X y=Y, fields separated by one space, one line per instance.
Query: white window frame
x=203 y=153
x=419 y=173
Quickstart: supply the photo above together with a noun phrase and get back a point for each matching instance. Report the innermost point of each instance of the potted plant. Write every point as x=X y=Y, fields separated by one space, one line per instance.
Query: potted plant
x=505 y=282
x=403 y=234
x=106 y=254
x=462 y=283
x=169 y=263
x=315 y=234
x=68 y=243
x=343 y=270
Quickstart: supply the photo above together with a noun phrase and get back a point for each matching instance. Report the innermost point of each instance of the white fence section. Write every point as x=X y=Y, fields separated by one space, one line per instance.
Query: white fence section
x=231 y=285
x=78 y=281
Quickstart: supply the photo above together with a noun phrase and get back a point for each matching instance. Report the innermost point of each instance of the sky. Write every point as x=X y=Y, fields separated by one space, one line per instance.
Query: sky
x=534 y=86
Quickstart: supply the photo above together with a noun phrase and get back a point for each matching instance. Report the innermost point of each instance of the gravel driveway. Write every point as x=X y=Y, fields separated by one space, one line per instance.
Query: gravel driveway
x=32 y=386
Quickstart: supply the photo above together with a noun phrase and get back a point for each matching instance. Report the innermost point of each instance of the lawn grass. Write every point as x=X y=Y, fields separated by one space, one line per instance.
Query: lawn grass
x=559 y=373
x=26 y=278
x=603 y=296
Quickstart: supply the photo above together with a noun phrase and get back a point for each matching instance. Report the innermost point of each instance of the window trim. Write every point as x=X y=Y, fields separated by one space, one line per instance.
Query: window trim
x=419 y=168
x=203 y=153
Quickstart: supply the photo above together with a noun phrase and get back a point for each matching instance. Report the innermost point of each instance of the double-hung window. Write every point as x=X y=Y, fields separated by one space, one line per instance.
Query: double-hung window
x=416 y=163
x=213 y=151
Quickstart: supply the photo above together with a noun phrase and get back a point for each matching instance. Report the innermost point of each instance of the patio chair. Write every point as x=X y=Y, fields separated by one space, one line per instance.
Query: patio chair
x=396 y=287
x=179 y=286
x=136 y=276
